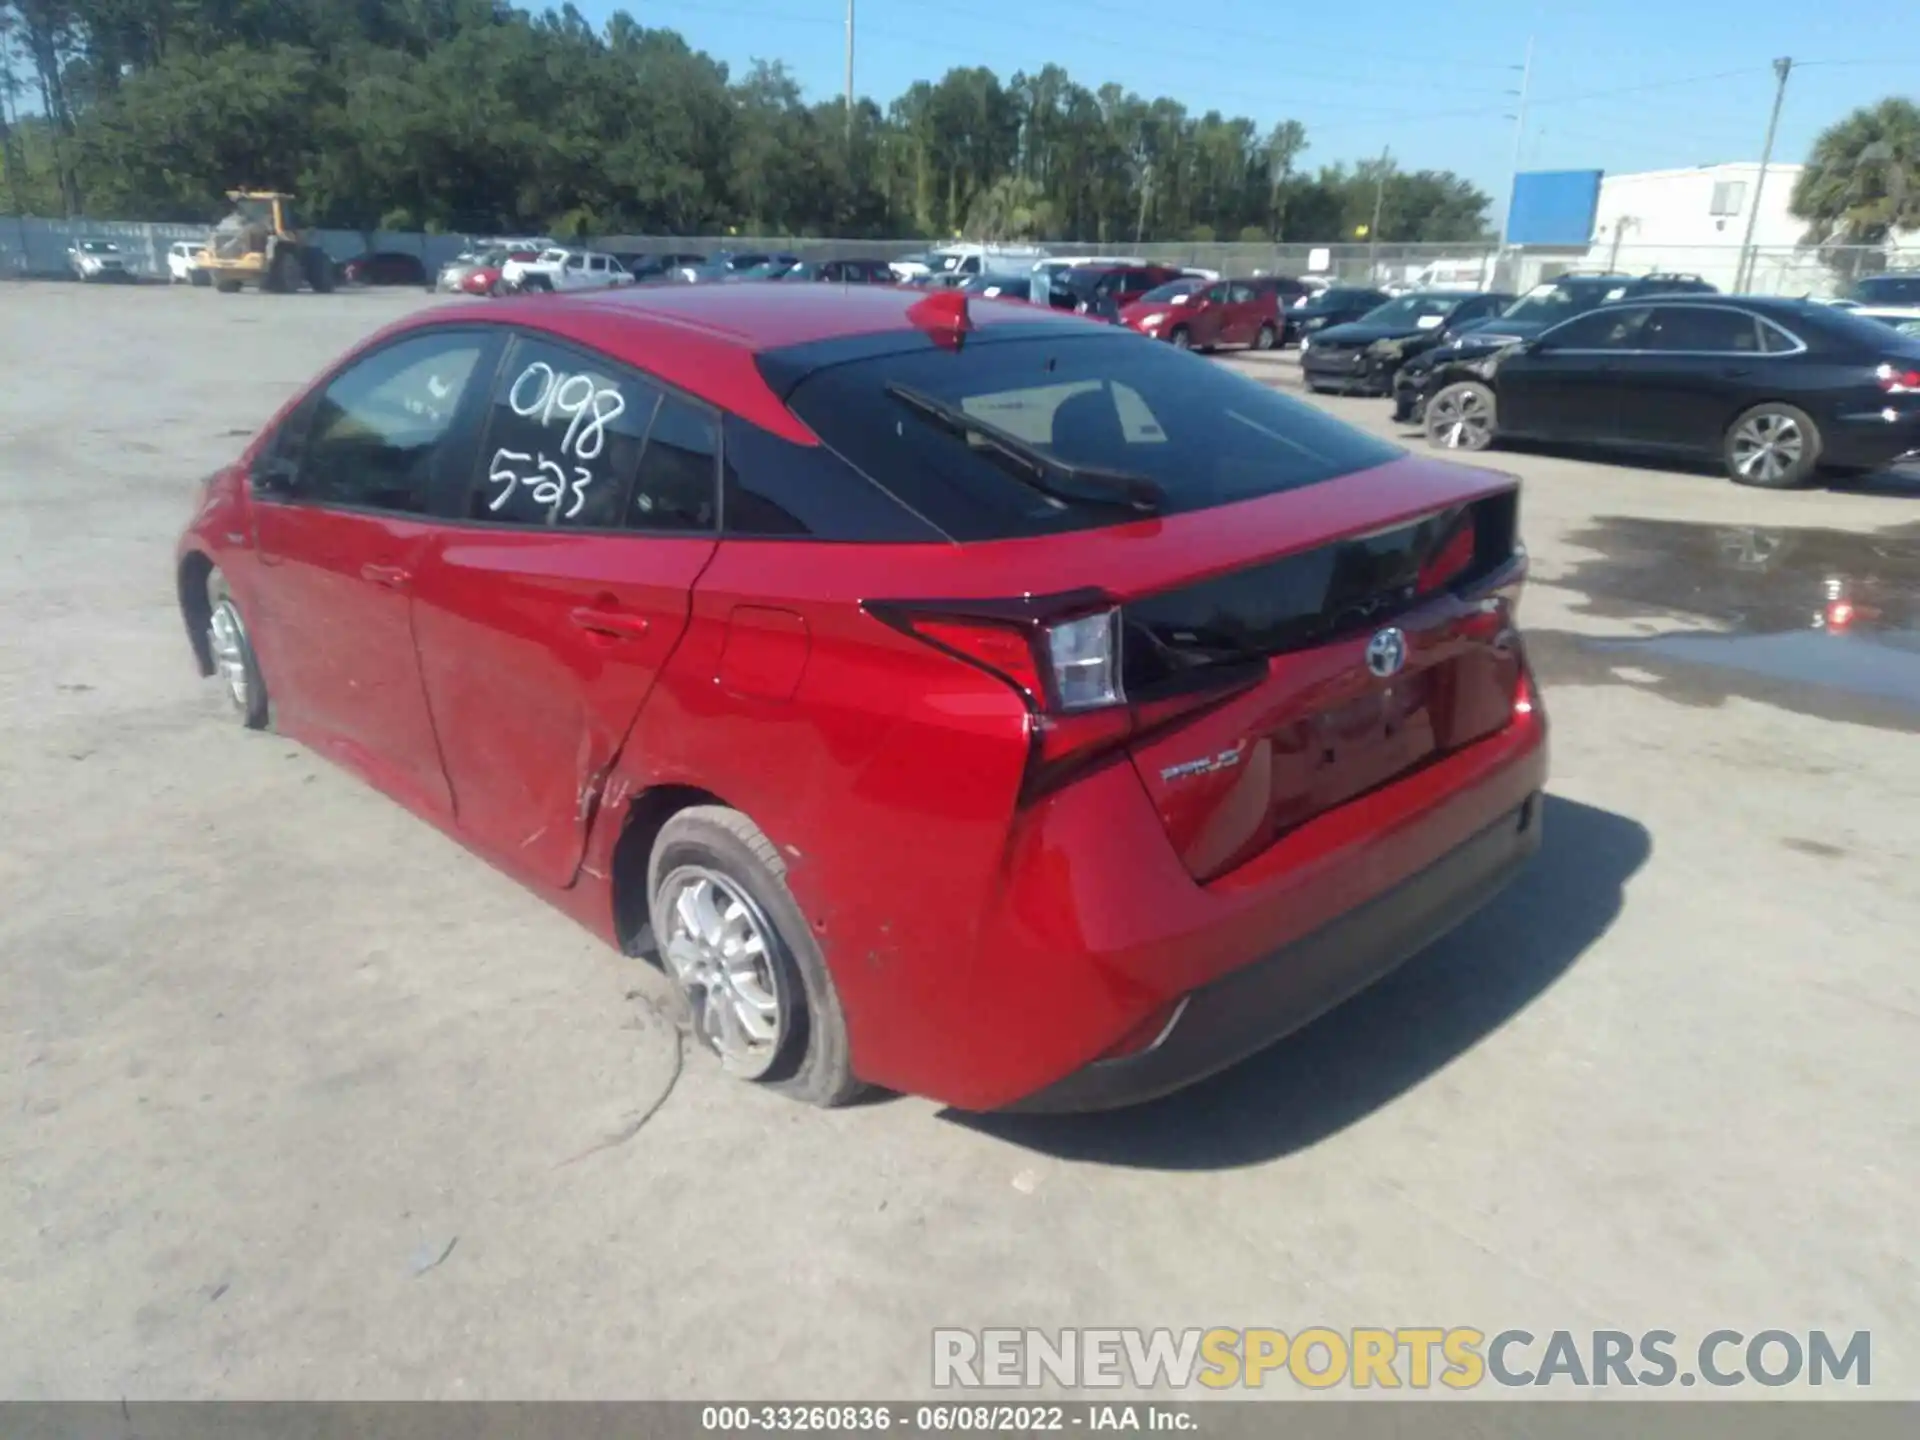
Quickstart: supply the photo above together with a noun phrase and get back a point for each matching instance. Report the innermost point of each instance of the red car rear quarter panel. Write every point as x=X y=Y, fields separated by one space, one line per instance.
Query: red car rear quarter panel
x=888 y=780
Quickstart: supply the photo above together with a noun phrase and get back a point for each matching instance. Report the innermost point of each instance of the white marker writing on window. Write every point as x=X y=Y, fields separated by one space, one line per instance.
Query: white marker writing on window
x=588 y=407
x=545 y=480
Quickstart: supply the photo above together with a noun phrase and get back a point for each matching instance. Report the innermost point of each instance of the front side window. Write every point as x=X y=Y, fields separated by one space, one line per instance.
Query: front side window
x=381 y=425
x=576 y=262
x=563 y=435
x=1611 y=329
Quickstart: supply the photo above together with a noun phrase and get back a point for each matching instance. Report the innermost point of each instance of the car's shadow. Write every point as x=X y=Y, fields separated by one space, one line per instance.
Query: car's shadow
x=1386 y=1040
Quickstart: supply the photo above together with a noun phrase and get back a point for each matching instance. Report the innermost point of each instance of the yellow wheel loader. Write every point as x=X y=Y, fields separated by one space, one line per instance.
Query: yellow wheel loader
x=260 y=243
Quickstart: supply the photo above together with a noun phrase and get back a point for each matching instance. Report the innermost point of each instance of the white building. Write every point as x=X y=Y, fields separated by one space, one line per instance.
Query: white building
x=1695 y=221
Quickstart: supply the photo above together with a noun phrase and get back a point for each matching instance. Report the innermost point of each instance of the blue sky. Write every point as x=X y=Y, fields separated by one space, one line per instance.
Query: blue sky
x=1618 y=85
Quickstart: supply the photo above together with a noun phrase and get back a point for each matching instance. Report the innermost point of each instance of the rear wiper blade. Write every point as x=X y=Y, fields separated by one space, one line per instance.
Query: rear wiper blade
x=1034 y=467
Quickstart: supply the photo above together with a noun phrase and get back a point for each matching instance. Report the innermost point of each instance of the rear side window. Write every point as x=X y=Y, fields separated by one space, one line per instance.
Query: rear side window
x=777 y=490
x=1203 y=434
x=677 y=487
x=563 y=435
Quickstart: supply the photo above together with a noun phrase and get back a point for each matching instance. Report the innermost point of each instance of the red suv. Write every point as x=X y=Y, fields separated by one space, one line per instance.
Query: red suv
x=1201 y=316
x=970 y=701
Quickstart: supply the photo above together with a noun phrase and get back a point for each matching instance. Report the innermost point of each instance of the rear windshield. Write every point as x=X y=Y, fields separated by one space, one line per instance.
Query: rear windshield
x=1204 y=434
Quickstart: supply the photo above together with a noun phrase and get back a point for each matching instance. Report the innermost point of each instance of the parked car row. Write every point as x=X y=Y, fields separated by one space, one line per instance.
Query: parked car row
x=1778 y=391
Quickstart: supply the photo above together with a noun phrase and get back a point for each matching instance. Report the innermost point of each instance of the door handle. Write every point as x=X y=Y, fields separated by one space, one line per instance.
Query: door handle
x=393 y=577
x=1736 y=373
x=608 y=622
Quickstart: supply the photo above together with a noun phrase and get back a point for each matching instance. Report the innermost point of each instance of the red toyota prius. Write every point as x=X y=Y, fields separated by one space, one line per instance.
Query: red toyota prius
x=976 y=702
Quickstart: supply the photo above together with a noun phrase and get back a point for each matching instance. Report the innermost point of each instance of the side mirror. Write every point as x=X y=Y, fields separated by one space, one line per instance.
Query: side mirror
x=276 y=475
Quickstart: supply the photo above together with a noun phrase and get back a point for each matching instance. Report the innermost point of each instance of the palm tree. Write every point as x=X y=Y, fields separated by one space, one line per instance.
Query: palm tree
x=1861 y=184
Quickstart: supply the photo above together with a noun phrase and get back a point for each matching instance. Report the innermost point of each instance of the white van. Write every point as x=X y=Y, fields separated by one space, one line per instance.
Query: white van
x=969 y=259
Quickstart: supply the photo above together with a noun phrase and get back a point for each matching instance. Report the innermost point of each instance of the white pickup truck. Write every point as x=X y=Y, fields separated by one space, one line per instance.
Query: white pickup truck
x=560 y=268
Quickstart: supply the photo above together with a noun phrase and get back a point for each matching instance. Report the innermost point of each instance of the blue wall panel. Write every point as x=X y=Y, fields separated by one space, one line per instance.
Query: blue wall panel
x=1553 y=207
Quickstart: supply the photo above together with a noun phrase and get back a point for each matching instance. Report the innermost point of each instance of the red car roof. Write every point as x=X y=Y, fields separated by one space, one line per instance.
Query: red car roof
x=702 y=338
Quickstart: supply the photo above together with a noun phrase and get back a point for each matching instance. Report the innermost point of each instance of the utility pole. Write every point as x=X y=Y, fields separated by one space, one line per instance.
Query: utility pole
x=849 y=70
x=1743 y=275
x=1373 y=230
x=1519 y=137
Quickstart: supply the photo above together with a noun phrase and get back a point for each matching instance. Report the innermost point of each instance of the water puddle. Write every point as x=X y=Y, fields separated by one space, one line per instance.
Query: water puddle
x=1825 y=622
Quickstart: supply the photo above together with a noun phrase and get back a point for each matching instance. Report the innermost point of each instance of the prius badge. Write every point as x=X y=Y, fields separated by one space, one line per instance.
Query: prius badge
x=1205 y=765
x=1387 y=652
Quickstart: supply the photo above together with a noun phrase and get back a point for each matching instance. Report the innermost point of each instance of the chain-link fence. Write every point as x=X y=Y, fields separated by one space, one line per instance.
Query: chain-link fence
x=36 y=247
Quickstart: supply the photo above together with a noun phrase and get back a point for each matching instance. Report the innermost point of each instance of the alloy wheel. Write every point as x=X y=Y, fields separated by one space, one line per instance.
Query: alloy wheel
x=227 y=639
x=1767 y=446
x=1459 y=419
x=720 y=947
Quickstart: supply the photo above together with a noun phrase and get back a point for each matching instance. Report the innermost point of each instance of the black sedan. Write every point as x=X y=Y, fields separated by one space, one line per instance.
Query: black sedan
x=1362 y=356
x=1336 y=305
x=1550 y=303
x=1775 y=389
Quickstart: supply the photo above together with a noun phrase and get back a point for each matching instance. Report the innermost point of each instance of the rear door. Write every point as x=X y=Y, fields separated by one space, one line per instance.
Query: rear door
x=1242 y=314
x=548 y=604
x=1207 y=310
x=1567 y=384
x=341 y=530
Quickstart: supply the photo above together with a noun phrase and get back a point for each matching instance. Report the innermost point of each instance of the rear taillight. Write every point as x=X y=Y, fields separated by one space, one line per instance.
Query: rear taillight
x=1898 y=379
x=1061 y=655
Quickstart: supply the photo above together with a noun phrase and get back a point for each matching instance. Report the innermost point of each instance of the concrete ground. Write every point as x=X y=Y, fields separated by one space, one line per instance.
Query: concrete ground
x=305 y=1101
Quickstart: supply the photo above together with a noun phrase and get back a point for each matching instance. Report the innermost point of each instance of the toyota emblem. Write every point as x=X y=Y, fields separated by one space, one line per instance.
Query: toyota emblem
x=1387 y=652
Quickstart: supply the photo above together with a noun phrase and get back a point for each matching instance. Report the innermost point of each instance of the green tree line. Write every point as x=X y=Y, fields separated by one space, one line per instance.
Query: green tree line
x=472 y=115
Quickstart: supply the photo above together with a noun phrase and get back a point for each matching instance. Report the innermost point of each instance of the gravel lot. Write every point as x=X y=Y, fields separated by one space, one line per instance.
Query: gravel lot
x=305 y=1101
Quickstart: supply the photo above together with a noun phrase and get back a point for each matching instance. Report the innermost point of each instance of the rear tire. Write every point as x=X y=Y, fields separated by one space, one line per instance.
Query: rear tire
x=743 y=957
x=1264 y=338
x=227 y=287
x=231 y=647
x=1462 y=416
x=319 y=271
x=1773 y=446
x=283 y=273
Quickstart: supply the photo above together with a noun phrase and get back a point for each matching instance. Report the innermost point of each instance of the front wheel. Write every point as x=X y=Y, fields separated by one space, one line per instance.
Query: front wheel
x=1264 y=338
x=1774 y=446
x=1461 y=417
x=233 y=658
x=733 y=939
x=1181 y=339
